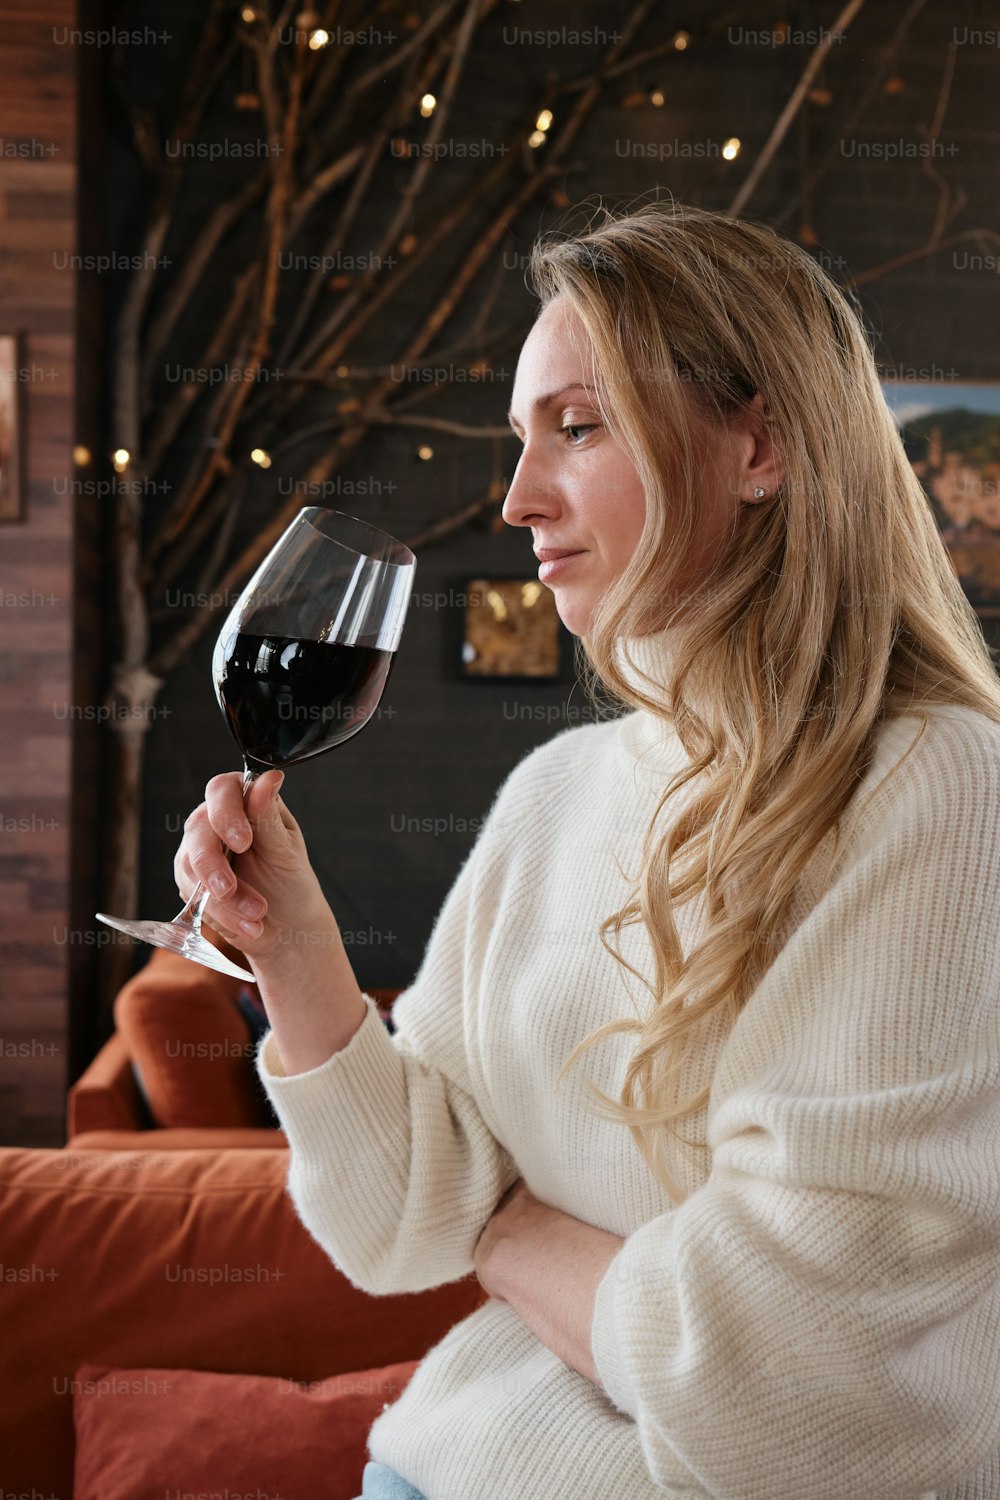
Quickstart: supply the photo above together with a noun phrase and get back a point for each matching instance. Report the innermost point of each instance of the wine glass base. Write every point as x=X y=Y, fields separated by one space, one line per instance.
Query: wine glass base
x=177 y=938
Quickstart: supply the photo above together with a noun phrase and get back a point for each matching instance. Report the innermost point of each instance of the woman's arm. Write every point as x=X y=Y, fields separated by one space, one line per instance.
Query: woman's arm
x=548 y=1266
x=270 y=907
x=394 y=1166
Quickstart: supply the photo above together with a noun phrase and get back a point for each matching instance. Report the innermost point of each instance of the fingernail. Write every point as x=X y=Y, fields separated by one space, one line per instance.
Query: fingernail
x=237 y=835
x=252 y=906
x=219 y=884
x=252 y=929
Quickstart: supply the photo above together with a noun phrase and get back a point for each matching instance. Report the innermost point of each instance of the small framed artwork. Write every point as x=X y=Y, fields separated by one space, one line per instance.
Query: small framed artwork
x=511 y=630
x=951 y=433
x=11 y=500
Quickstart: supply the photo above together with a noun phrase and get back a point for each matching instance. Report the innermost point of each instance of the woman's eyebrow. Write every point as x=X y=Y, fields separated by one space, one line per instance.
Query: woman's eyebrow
x=541 y=402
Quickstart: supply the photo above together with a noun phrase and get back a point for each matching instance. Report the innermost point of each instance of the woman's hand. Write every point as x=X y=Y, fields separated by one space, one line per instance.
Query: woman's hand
x=271 y=893
x=547 y=1266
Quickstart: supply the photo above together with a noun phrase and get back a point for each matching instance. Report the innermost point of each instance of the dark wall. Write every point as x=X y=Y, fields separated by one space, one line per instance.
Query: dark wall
x=442 y=745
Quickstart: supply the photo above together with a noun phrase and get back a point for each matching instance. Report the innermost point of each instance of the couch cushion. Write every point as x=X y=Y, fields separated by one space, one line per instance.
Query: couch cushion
x=172 y=1259
x=142 y=1432
x=182 y=1026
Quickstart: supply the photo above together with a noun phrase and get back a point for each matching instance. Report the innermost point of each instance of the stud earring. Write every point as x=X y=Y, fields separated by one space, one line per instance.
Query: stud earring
x=759 y=493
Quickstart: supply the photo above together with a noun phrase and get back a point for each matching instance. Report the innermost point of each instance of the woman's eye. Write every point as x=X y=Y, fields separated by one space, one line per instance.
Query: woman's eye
x=575 y=429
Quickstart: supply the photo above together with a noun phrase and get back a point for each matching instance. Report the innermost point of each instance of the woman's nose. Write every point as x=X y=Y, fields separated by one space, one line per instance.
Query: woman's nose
x=529 y=495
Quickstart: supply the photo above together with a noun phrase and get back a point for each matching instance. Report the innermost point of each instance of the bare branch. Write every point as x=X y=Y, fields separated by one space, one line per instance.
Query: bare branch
x=945 y=211
x=887 y=59
x=225 y=217
x=277 y=217
x=449 y=524
x=793 y=106
x=981 y=236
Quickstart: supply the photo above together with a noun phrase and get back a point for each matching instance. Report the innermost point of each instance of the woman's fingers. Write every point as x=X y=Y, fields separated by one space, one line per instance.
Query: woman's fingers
x=263 y=807
x=244 y=905
x=227 y=816
x=205 y=856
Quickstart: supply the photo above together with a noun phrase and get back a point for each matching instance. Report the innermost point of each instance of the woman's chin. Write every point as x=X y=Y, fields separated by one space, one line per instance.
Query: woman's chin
x=570 y=613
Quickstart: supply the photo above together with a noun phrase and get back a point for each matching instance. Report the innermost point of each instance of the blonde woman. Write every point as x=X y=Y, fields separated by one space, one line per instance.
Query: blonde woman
x=700 y=1073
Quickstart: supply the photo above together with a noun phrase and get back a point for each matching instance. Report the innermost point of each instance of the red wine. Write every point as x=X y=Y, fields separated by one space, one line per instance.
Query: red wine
x=287 y=699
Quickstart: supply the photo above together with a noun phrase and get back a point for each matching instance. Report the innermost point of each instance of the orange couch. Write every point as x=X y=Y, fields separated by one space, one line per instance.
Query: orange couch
x=179 y=1250
x=171 y=1006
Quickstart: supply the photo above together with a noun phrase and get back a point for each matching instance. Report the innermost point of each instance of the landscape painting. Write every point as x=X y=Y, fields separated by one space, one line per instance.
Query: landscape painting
x=951 y=433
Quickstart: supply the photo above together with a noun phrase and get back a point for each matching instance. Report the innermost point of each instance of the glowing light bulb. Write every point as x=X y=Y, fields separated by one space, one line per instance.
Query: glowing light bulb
x=681 y=40
x=428 y=105
x=657 y=97
x=81 y=455
x=120 y=458
x=248 y=14
x=544 y=120
x=318 y=38
x=260 y=457
x=731 y=148
x=536 y=139
x=425 y=451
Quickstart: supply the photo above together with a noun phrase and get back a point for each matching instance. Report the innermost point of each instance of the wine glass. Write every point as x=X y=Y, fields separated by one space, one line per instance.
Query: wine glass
x=299 y=666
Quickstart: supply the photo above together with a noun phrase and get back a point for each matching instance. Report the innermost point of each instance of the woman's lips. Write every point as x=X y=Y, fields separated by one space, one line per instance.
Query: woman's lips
x=552 y=568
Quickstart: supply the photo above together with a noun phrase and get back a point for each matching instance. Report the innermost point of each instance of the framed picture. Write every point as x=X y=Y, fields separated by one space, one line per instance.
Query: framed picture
x=951 y=433
x=11 y=499
x=511 y=630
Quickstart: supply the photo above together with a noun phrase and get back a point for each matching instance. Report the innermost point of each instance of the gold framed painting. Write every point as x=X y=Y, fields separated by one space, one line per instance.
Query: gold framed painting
x=511 y=630
x=11 y=497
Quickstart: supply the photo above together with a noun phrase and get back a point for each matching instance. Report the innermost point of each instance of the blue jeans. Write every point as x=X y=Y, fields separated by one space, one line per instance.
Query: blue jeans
x=382 y=1483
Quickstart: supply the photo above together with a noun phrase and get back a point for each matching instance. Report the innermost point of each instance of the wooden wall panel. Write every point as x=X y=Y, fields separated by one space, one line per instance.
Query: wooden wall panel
x=37 y=299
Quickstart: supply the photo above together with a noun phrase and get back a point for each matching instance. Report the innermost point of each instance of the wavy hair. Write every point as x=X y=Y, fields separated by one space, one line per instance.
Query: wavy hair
x=833 y=605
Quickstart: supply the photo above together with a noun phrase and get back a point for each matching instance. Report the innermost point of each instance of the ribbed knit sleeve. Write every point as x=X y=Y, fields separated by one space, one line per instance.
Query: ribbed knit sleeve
x=393 y=1169
x=821 y=1318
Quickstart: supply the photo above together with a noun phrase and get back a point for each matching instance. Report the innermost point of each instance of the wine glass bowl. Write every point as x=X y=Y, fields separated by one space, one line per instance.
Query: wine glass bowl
x=299 y=667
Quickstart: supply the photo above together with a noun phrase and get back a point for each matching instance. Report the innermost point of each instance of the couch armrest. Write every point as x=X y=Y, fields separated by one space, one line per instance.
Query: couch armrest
x=178 y=1138
x=174 y=1260
x=105 y=1096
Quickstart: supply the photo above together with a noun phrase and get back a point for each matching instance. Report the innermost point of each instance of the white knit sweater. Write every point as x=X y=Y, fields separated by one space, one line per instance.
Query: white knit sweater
x=820 y=1318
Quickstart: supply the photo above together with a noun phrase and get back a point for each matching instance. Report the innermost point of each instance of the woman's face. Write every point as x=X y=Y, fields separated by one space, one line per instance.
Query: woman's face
x=578 y=490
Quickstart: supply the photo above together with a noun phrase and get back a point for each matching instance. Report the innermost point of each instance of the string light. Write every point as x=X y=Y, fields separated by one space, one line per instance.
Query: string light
x=530 y=592
x=425 y=451
x=261 y=457
x=657 y=98
x=81 y=455
x=544 y=120
x=731 y=148
x=428 y=105
x=681 y=40
x=120 y=458
x=318 y=38
x=248 y=14
x=536 y=139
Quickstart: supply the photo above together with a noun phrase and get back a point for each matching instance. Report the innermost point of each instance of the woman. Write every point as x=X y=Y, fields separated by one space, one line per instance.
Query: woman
x=780 y=1282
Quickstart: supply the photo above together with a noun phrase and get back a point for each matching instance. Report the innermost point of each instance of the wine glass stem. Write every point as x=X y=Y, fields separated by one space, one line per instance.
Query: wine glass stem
x=194 y=907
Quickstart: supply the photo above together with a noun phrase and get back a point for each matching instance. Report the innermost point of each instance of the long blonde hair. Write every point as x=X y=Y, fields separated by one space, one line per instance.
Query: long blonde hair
x=834 y=607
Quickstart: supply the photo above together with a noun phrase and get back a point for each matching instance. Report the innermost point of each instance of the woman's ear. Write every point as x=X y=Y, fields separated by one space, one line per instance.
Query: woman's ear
x=761 y=468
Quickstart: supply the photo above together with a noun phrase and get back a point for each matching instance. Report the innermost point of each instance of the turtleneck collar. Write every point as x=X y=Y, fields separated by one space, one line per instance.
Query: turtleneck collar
x=649 y=744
